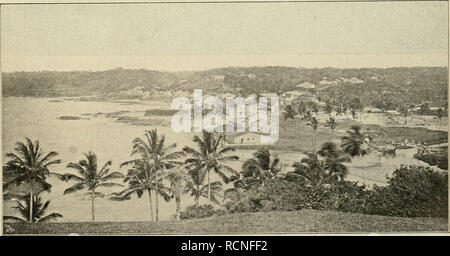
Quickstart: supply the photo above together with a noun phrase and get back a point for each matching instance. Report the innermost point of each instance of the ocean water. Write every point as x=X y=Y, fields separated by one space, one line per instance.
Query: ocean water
x=37 y=118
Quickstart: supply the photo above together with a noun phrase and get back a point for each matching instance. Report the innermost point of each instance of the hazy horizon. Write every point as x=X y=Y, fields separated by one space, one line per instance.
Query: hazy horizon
x=192 y=37
x=396 y=61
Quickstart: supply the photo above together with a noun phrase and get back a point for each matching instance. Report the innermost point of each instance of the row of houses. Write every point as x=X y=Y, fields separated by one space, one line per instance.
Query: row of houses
x=139 y=92
x=325 y=81
x=221 y=78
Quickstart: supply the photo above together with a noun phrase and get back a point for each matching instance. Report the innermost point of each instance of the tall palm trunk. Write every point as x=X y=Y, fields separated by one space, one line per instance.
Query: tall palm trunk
x=156 y=203
x=209 y=188
x=314 y=141
x=156 y=198
x=31 y=201
x=197 y=195
x=178 y=207
x=92 y=204
x=295 y=135
x=150 y=201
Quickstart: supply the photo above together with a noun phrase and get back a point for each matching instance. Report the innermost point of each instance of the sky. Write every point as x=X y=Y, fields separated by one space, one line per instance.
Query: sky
x=178 y=37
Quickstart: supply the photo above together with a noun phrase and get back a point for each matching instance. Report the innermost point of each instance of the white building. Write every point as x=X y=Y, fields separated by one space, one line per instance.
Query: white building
x=306 y=85
x=355 y=80
x=217 y=77
x=268 y=94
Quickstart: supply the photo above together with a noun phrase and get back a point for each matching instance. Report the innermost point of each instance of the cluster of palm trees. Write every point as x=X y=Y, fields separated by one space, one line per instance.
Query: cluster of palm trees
x=305 y=113
x=160 y=171
x=30 y=166
x=318 y=169
x=157 y=169
x=308 y=112
x=156 y=163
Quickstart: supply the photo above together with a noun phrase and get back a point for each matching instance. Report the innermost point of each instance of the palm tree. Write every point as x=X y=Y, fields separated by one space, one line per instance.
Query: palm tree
x=90 y=178
x=37 y=208
x=404 y=111
x=307 y=116
x=262 y=166
x=301 y=108
x=195 y=187
x=310 y=169
x=29 y=165
x=355 y=107
x=177 y=178
x=315 y=171
x=160 y=158
x=440 y=114
x=328 y=108
x=289 y=112
x=333 y=160
x=315 y=108
x=353 y=112
x=211 y=155
x=140 y=178
x=352 y=144
x=314 y=123
x=332 y=123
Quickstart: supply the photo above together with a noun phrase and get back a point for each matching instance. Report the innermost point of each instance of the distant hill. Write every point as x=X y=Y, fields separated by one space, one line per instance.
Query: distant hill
x=411 y=85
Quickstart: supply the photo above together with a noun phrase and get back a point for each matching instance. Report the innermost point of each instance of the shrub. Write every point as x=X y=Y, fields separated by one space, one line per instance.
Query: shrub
x=413 y=191
x=439 y=159
x=219 y=212
x=243 y=200
x=194 y=212
x=280 y=195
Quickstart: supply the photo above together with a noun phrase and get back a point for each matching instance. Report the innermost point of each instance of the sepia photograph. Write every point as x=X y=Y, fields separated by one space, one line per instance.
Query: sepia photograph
x=209 y=118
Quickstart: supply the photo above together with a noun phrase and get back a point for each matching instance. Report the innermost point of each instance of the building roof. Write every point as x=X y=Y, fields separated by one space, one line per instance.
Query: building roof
x=306 y=85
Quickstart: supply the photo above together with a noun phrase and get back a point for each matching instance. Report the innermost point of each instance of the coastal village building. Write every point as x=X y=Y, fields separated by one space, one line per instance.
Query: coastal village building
x=372 y=110
x=305 y=85
x=217 y=77
x=268 y=94
x=353 y=80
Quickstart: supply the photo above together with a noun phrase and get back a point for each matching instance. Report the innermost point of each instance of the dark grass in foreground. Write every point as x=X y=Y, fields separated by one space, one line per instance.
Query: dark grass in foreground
x=261 y=222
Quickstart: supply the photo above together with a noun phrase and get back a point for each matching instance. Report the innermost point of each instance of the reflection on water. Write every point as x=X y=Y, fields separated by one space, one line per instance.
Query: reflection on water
x=111 y=140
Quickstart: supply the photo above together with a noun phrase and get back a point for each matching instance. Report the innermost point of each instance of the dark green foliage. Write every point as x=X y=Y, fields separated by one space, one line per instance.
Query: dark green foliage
x=439 y=159
x=413 y=191
x=195 y=212
x=274 y=194
x=352 y=144
x=289 y=112
x=412 y=85
x=38 y=209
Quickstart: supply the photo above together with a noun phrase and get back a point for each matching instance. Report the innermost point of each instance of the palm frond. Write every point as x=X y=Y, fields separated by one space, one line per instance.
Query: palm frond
x=69 y=176
x=113 y=175
x=76 y=187
x=51 y=216
x=14 y=218
x=109 y=184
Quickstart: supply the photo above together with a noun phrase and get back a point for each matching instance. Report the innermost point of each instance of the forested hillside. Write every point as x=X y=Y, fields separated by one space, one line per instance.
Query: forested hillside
x=412 y=85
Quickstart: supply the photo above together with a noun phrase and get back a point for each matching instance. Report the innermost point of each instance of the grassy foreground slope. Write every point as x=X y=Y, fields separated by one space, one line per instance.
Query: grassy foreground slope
x=261 y=222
